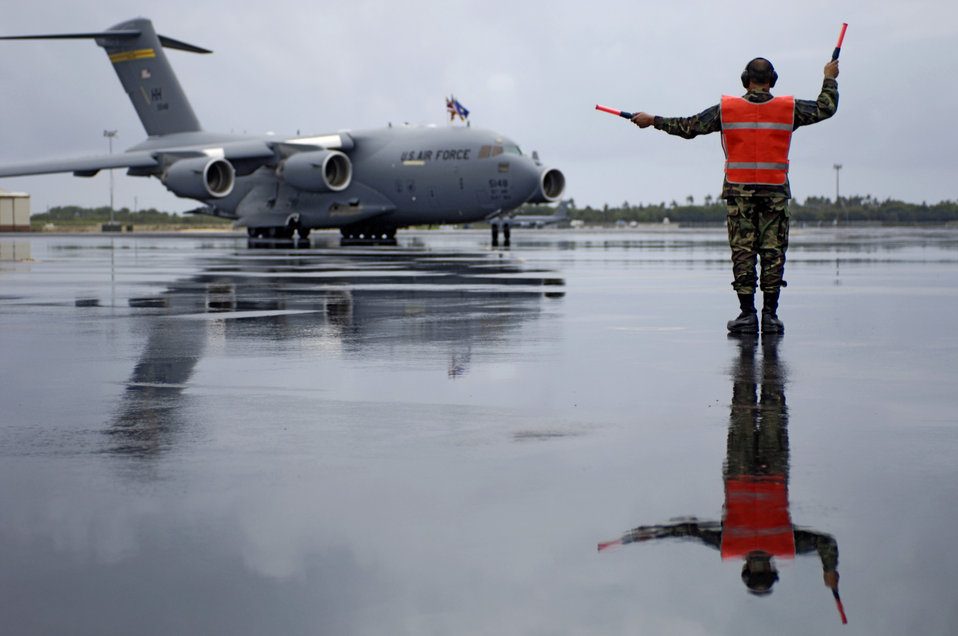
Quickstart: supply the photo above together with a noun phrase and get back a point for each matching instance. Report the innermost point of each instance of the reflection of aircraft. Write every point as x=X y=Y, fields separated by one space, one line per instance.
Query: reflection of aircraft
x=406 y=300
x=506 y=222
x=367 y=183
x=756 y=525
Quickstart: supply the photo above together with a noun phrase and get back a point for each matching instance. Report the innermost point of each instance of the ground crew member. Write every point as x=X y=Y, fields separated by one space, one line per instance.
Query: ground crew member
x=756 y=132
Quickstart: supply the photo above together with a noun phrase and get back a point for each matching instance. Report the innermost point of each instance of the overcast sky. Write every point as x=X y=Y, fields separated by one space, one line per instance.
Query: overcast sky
x=533 y=71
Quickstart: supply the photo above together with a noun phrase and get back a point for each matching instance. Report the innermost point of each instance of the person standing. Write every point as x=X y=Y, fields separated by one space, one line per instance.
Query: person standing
x=756 y=134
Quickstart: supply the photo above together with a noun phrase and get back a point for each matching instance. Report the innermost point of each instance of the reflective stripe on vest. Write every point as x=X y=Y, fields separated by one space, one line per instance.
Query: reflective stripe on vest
x=756 y=137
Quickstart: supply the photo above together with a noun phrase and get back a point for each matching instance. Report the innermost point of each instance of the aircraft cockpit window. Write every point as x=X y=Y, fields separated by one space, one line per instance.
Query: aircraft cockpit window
x=494 y=151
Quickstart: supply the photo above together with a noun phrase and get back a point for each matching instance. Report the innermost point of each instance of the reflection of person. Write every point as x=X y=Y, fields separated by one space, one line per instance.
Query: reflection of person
x=756 y=524
x=756 y=133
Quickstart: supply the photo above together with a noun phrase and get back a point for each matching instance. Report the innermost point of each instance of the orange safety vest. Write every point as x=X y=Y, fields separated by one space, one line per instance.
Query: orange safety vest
x=756 y=517
x=756 y=138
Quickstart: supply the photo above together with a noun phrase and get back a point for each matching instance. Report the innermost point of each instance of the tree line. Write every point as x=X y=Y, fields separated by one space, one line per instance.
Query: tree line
x=814 y=210
x=73 y=216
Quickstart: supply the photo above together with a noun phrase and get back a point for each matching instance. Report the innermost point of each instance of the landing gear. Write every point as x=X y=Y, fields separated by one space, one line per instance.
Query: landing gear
x=278 y=236
x=506 y=234
x=362 y=234
x=282 y=232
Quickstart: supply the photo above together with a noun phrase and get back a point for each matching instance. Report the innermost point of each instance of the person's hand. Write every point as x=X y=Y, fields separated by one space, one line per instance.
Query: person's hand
x=831 y=69
x=831 y=579
x=642 y=120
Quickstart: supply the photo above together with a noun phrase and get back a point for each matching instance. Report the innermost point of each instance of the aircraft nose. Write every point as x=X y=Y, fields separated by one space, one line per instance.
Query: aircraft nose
x=524 y=174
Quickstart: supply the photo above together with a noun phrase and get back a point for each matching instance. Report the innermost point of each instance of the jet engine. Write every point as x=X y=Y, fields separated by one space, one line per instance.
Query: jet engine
x=200 y=178
x=317 y=171
x=551 y=186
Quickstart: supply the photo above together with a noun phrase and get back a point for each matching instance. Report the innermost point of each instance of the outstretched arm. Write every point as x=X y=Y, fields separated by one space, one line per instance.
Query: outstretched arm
x=708 y=121
x=708 y=532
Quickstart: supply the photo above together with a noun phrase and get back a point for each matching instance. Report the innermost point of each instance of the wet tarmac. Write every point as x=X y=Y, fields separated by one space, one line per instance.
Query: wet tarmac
x=438 y=437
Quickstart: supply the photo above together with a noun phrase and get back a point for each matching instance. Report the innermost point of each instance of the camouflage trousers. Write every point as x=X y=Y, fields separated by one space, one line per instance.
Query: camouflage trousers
x=758 y=231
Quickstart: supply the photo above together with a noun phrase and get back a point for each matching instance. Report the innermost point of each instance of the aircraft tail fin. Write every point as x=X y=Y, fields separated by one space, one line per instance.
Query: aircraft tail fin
x=562 y=212
x=138 y=57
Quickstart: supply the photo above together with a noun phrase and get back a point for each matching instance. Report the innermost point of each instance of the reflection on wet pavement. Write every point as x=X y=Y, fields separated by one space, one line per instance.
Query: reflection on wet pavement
x=756 y=526
x=413 y=298
x=430 y=438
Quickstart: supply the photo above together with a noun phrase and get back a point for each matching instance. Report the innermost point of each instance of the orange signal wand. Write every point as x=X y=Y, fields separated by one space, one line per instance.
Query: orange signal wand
x=841 y=608
x=620 y=113
x=838 y=47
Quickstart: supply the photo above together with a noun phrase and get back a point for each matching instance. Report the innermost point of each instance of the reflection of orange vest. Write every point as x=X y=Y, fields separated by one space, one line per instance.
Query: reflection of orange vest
x=756 y=517
x=756 y=139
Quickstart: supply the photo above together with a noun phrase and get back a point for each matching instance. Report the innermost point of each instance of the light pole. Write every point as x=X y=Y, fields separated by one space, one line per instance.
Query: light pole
x=837 y=167
x=110 y=134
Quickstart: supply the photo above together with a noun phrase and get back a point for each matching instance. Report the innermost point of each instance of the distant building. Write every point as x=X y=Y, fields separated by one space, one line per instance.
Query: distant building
x=14 y=211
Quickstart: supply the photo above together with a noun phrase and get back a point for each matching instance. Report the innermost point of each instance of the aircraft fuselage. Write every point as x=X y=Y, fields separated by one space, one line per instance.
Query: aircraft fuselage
x=400 y=176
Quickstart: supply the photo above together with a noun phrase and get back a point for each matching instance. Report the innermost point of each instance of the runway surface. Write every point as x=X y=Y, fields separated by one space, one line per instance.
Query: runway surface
x=435 y=438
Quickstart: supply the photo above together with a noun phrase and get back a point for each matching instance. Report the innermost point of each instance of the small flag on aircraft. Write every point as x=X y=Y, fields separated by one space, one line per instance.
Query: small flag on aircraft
x=453 y=107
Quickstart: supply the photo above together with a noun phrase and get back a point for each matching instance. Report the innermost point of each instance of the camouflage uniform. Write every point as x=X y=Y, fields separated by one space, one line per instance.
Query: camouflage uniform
x=757 y=214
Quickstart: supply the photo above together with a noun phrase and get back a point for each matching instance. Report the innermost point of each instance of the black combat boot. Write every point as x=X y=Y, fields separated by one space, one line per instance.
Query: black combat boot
x=770 y=321
x=747 y=321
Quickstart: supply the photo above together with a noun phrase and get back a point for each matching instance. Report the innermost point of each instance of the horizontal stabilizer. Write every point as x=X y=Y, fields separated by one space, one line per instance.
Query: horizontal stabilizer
x=124 y=33
x=167 y=42
x=170 y=43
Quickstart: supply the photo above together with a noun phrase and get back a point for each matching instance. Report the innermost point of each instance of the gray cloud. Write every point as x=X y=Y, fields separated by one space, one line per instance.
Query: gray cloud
x=533 y=71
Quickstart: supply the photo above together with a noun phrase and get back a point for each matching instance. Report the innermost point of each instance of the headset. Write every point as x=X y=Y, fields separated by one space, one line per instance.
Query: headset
x=747 y=74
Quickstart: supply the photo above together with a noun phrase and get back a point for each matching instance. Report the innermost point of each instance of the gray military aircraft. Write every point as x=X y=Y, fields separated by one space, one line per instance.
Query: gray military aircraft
x=368 y=183
x=505 y=222
x=540 y=221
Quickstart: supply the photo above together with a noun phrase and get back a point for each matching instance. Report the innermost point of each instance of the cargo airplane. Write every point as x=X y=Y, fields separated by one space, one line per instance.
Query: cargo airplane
x=506 y=222
x=367 y=183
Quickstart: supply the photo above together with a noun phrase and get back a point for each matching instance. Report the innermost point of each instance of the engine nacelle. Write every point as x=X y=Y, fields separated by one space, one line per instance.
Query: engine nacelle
x=551 y=186
x=200 y=178
x=317 y=171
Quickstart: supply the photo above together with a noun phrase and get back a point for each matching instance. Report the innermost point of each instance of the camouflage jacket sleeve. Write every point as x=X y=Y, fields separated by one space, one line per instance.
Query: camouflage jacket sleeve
x=807 y=541
x=809 y=112
x=708 y=532
x=708 y=121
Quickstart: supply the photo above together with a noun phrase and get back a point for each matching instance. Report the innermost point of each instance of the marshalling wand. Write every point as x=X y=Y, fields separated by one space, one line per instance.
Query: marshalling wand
x=620 y=113
x=838 y=47
x=841 y=608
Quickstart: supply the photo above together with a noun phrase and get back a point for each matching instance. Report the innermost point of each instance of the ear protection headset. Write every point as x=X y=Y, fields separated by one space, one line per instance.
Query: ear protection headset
x=747 y=74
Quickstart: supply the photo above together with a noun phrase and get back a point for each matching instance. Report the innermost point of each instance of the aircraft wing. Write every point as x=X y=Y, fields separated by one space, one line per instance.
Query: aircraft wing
x=81 y=166
x=145 y=161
